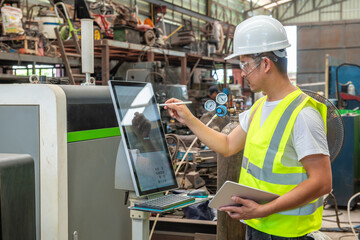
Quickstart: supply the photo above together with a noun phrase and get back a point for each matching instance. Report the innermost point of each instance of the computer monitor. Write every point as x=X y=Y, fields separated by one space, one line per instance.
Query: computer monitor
x=143 y=137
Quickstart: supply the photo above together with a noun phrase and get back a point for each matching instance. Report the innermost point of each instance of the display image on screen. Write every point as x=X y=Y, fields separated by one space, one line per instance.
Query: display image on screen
x=141 y=128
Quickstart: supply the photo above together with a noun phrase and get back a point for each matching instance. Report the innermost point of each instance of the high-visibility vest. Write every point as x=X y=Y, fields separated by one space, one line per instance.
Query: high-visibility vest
x=262 y=165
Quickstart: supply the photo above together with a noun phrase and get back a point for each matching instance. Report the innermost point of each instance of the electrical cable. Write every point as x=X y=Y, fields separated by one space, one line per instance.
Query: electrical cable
x=186 y=164
x=333 y=215
x=345 y=236
x=342 y=229
x=336 y=209
x=142 y=52
x=345 y=229
x=215 y=72
x=334 y=221
x=177 y=143
x=174 y=155
x=187 y=159
x=176 y=172
x=348 y=212
x=345 y=84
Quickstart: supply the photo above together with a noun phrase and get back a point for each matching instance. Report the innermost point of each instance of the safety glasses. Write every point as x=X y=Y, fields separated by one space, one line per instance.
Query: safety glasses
x=245 y=66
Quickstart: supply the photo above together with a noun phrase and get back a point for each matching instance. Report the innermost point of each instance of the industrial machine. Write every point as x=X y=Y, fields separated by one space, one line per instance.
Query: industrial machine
x=346 y=169
x=17 y=191
x=154 y=73
x=343 y=90
x=101 y=26
x=72 y=134
x=344 y=85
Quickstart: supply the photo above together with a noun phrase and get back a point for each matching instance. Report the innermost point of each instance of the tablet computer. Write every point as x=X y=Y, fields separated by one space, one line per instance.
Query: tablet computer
x=229 y=189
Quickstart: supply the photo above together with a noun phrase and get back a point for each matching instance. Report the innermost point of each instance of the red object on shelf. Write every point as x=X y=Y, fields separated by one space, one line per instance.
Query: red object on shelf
x=346 y=96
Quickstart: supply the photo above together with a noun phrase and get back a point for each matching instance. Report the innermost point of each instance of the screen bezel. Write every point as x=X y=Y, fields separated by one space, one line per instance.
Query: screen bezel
x=139 y=192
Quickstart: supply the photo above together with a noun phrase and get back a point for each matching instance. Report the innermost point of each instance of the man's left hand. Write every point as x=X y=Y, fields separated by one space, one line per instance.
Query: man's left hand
x=248 y=209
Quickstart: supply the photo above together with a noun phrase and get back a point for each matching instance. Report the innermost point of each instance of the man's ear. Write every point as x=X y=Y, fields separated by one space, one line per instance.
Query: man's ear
x=267 y=64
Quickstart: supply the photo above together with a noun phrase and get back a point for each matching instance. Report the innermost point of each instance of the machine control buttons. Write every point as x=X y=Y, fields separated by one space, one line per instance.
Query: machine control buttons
x=221 y=98
x=210 y=105
x=221 y=111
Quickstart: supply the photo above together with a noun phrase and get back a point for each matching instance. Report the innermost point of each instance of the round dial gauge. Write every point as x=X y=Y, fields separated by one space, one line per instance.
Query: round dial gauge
x=210 y=105
x=221 y=98
x=221 y=111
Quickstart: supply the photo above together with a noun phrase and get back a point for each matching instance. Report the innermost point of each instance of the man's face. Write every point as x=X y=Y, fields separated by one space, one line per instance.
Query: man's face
x=213 y=95
x=250 y=72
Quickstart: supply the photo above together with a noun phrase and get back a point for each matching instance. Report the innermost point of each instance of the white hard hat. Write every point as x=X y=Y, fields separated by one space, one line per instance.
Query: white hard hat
x=259 y=34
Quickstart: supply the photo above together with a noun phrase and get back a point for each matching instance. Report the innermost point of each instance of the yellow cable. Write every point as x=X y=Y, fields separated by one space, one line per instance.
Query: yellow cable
x=166 y=38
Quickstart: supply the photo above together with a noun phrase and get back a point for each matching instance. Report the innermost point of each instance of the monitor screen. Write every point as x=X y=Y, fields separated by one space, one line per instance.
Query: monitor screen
x=143 y=135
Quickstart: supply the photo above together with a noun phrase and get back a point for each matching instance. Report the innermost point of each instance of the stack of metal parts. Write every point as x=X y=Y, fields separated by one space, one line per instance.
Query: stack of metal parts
x=199 y=170
x=124 y=16
x=184 y=36
x=207 y=167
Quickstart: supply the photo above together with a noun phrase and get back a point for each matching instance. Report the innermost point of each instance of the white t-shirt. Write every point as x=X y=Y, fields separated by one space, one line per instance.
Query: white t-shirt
x=307 y=137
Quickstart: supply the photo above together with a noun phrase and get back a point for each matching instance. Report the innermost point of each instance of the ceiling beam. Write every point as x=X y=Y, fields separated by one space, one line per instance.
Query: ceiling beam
x=287 y=9
x=303 y=5
x=315 y=7
x=319 y=3
x=181 y=10
x=262 y=6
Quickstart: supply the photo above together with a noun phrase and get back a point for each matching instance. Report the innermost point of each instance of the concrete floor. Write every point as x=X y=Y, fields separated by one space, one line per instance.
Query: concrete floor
x=329 y=221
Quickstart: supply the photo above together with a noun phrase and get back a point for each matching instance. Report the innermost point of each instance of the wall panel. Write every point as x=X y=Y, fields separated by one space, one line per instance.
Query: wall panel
x=338 y=39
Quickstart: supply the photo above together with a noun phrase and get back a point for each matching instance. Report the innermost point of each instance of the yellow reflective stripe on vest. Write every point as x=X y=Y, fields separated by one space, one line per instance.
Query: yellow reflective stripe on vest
x=266 y=173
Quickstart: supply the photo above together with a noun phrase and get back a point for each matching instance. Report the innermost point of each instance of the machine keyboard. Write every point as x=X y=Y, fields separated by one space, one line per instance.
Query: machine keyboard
x=165 y=202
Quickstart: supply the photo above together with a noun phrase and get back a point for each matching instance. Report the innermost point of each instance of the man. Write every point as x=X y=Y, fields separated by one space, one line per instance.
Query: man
x=286 y=149
x=213 y=92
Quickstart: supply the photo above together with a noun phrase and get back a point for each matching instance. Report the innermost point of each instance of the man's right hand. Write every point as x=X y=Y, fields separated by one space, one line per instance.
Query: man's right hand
x=180 y=112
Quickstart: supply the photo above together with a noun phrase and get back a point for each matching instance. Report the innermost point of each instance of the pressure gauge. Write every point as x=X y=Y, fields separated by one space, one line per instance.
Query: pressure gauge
x=221 y=98
x=221 y=111
x=210 y=105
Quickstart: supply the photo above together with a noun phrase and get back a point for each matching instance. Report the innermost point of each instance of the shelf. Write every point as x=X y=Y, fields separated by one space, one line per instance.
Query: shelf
x=107 y=50
x=117 y=45
x=9 y=78
x=125 y=51
x=19 y=59
x=209 y=61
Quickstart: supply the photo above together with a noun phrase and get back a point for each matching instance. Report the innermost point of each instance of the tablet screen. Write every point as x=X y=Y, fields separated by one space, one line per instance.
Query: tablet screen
x=141 y=129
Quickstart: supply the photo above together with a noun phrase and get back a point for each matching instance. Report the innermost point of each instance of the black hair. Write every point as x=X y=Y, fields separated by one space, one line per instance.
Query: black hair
x=213 y=89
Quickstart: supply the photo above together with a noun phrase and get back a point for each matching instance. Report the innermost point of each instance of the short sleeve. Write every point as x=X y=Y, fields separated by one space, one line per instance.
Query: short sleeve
x=244 y=119
x=309 y=135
